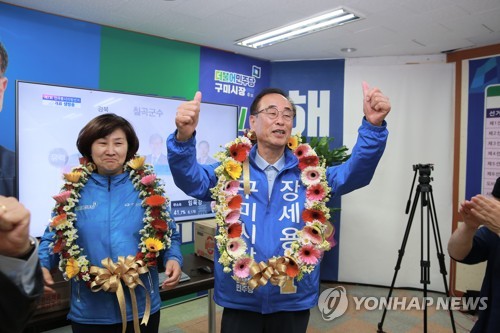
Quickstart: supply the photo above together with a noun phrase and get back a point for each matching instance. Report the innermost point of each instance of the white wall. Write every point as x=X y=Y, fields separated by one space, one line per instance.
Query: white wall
x=420 y=131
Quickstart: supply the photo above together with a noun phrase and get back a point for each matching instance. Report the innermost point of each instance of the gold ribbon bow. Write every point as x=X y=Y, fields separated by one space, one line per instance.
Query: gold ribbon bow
x=109 y=279
x=274 y=270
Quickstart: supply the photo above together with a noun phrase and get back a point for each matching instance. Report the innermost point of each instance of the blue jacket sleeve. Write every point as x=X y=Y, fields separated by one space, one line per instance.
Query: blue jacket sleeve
x=358 y=170
x=174 y=251
x=48 y=259
x=192 y=178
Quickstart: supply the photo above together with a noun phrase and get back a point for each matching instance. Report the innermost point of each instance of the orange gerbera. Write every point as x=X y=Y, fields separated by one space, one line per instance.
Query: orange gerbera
x=59 y=219
x=160 y=225
x=292 y=270
x=235 y=202
x=234 y=230
x=311 y=215
x=155 y=200
x=293 y=142
x=239 y=152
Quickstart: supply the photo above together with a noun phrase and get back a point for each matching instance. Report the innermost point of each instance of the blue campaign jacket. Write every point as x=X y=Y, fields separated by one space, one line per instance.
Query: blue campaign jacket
x=270 y=222
x=109 y=217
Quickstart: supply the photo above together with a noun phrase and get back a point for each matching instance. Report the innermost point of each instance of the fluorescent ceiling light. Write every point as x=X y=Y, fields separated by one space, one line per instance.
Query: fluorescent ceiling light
x=324 y=21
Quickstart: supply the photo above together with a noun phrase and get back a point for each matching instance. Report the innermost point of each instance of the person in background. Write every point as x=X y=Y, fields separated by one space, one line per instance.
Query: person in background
x=477 y=240
x=272 y=229
x=157 y=159
x=202 y=154
x=21 y=280
x=111 y=240
x=7 y=157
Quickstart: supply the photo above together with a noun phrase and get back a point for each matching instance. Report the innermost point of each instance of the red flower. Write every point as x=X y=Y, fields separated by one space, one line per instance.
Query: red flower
x=155 y=212
x=234 y=230
x=239 y=152
x=310 y=160
x=139 y=256
x=292 y=270
x=160 y=225
x=155 y=200
x=59 y=245
x=310 y=215
x=235 y=202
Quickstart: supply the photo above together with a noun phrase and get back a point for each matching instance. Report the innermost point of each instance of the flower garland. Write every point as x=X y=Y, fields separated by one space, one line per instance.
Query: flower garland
x=155 y=235
x=315 y=237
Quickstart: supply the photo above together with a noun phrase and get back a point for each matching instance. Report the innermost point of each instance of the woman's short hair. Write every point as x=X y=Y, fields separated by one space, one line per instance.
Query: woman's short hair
x=100 y=127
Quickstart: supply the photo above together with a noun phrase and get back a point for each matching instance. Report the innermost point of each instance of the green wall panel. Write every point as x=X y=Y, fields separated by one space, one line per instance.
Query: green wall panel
x=138 y=63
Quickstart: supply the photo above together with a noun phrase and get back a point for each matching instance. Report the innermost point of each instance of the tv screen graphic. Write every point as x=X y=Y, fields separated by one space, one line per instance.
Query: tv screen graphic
x=49 y=118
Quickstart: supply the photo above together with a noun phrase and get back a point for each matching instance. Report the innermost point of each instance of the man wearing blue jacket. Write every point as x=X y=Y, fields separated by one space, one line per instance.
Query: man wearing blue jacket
x=275 y=189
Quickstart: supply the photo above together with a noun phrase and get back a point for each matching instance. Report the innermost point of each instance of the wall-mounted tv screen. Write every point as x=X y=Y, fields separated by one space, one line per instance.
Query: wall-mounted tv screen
x=49 y=118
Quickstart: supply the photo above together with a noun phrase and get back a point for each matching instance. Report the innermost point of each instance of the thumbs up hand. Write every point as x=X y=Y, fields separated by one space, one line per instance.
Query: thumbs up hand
x=187 y=117
x=376 y=106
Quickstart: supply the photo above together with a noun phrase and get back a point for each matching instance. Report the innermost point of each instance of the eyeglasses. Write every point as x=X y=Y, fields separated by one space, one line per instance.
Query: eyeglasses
x=272 y=113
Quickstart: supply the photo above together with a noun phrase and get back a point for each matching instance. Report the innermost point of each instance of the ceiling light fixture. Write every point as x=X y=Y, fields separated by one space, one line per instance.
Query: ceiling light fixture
x=324 y=21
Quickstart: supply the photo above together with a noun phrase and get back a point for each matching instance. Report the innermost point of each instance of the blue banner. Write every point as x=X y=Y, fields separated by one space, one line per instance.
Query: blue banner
x=232 y=79
x=317 y=89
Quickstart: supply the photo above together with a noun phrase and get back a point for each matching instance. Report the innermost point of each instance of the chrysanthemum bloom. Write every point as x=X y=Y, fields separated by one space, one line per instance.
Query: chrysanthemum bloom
x=311 y=215
x=155 y=200
x=236 y=247
x=159 y=224
x=234 y=230
x=232 y=216
x=309 y=254
x=232 y=168
x=293 y=142
x=148 y=180
x=153 y=244
x=302 y=150
x=137 y=162
x=311 y=176
x=231 y=188
x=72 y=268
x=308 y=160
x=62 y=197
x=292 y=269
x=313 y=234
x=239 y=152
x=235 y=202
x=241 y=267
x=315 y=192
x=73 y=177
x=58 y=220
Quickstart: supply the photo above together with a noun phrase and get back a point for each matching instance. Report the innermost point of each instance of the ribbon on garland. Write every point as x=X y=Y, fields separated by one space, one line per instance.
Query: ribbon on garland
x=109 y=279
x=274 y=271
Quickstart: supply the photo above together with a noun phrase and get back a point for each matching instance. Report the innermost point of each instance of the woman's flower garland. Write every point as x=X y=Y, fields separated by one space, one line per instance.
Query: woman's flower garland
x=305 y=252
x=155 y=235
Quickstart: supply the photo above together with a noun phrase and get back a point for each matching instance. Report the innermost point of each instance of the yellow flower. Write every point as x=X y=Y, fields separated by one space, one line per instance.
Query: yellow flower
x=73 y=177
x=137 y=162
x=233 y=168
x=293 y=142
x=153 y=244
x=72 y=268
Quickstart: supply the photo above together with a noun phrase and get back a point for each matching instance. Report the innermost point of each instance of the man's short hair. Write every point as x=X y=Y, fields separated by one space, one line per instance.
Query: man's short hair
x=4 y=60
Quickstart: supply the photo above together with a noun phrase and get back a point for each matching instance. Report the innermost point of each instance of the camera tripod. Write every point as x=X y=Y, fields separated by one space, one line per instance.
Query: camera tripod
x=423 y=191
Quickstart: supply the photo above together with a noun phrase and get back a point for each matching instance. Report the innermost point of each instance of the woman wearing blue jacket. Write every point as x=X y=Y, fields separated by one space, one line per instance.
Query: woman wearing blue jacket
x=110 y=230
x=270 y=203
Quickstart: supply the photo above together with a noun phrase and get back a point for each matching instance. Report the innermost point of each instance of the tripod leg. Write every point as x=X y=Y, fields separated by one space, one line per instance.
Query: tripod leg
x=440 y=254
x=401 y=253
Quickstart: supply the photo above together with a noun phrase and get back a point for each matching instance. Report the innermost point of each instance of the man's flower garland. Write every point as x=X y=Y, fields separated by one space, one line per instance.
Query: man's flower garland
x=305 y=252
x=155 y=235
